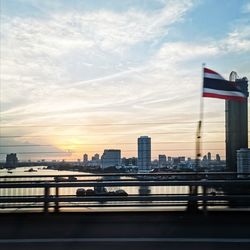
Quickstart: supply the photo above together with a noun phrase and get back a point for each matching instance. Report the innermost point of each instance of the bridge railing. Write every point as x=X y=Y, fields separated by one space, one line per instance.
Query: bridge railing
x=191 y=191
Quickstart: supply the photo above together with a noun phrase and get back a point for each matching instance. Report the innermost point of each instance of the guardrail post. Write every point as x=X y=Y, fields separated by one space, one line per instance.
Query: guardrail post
x=46 y=197
x=192 y=204
x=56 y=201
x=204 y=189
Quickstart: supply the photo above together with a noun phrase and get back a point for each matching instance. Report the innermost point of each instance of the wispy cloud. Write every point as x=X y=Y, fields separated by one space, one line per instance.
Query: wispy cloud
x=104 y=66
x=238 y=40
x=246 y=8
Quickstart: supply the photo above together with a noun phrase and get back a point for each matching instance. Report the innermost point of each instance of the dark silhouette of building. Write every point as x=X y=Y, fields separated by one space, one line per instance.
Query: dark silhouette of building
x=11 y=161
x=217 y=157
x=144 y=153
x=209 y=156
x=162 y=160
x=111 y=158
x=96 y=157
x=129 y=161
x=236 y=124
x=243 y=161
x=85 y=158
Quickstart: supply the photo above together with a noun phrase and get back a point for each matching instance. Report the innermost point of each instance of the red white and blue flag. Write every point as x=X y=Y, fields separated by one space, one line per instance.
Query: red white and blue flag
x=215 y=86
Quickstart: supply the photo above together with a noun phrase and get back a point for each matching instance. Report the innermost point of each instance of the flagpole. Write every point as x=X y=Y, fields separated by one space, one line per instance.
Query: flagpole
x=198 y=133
x=201 y=96
x=193 y=190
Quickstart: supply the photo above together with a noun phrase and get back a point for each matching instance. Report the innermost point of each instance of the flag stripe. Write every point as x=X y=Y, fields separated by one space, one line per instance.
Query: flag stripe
x=220 y=85
x=223 y=93
x=210 y=72
x=213 y=76
x=206 y=70
x=215 y=86
x=237 y=98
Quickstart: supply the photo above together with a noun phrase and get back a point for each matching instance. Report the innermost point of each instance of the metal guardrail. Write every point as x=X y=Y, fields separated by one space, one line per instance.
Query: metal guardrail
x=193 y=174
x=191 y=191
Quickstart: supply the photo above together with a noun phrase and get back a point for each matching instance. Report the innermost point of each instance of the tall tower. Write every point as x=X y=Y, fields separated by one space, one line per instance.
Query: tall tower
x=144 y=153
x=236 y=124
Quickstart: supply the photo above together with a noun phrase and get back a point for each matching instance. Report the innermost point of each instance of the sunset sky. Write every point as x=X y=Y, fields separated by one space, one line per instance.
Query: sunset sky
x=80 y=76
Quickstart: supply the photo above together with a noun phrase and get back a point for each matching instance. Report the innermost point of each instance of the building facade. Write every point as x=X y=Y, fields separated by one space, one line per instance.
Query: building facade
x=243 y=161
x=85 y=158
x=236 y=124
x=217 y=157
x=209 y=156
x=162 y=160
x=11 y=161
x=111 y=158
x=96 y=157
x=144 y=153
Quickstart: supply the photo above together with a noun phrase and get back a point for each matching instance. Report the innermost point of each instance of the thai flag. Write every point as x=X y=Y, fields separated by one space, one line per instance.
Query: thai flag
x=215 y=86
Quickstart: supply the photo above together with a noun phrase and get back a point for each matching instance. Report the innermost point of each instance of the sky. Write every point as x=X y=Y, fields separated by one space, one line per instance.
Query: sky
x=81 y=76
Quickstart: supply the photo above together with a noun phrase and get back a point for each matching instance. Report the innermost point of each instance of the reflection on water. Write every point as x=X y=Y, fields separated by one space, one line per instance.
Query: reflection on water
x=41 y=170
x=160 y=191
x=144 y=190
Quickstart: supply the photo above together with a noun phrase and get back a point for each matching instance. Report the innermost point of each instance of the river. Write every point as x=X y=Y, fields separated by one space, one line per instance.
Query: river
x=41 y=170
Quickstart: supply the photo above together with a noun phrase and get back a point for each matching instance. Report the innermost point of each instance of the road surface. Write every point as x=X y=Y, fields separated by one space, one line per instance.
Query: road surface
x=125 y=230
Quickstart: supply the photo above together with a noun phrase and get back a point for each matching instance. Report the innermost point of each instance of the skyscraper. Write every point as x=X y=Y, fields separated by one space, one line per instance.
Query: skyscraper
x=144 y=153
x=236 y=123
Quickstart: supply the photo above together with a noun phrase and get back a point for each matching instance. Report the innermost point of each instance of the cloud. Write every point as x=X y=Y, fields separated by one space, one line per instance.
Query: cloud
x=238 y=40
x=104 y=66
x=29 y=150
x=246 y=8
x=174 y=52
x=103 y=29
x=44 y=57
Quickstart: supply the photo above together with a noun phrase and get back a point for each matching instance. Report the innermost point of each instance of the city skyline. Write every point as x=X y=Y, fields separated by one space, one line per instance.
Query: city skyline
x=95 y=157
x=83 y=76
x=96 y=160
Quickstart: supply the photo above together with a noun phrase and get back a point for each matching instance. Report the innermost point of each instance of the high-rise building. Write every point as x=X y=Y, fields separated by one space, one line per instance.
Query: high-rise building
x=144 y=153
x=209 y=157
x=85 y=158
x=243 y=161
x=111 y=158
x=236 y=123
x=162 y=161
x=11 y=161
x=217 y=157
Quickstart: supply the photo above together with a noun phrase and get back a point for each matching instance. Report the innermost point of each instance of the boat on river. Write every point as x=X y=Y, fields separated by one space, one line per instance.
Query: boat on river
x=30 y=170
x=100 y=191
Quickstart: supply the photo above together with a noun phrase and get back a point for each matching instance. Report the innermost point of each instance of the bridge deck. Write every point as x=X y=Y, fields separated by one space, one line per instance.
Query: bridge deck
x=125 y=230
